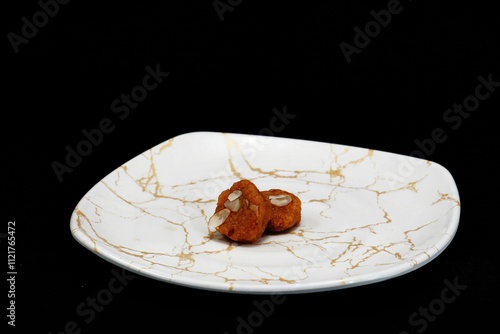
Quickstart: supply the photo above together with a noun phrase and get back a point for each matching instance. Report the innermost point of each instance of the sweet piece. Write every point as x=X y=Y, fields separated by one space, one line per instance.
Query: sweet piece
x=286 y=210
x=242 y=212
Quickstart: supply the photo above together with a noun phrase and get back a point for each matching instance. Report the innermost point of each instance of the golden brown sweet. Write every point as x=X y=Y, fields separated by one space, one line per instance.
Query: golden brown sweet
x=242 y=212
x=286 y=210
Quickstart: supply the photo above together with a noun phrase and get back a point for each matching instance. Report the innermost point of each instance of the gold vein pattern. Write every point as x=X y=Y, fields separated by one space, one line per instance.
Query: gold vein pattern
x=366 y=215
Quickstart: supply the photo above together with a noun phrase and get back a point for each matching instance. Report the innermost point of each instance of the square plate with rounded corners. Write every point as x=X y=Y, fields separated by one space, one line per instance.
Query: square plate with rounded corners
x=367 y=215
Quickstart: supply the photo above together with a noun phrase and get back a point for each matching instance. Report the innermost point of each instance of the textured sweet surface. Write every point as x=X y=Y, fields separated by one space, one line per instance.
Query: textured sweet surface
x=285 y=213
x=250 y=220
x=366 y=215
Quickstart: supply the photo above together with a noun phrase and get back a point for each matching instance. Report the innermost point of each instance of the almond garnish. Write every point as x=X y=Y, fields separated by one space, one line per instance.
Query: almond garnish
x=280 y=200
x=219 y=217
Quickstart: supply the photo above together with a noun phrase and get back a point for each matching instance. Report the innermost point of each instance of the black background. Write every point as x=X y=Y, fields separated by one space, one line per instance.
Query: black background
x=228 y=76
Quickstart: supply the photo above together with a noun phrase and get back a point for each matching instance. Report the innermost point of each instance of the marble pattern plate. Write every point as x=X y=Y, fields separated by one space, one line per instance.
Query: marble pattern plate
x=367 y=215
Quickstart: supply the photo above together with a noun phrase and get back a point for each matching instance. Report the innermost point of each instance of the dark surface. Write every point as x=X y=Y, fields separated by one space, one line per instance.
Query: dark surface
x=228 y=76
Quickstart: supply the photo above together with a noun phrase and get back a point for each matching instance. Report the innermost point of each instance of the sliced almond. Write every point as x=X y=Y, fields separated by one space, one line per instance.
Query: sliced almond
x=219 y=217
x=233 y=206
x=254 y=208
x=280 y=200
x=234 y=195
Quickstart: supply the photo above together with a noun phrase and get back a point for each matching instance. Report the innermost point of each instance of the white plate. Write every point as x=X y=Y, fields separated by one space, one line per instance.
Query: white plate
x=366 y=215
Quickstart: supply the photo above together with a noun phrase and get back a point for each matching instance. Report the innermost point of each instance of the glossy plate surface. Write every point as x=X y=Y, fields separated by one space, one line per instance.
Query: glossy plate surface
x=366 y=215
